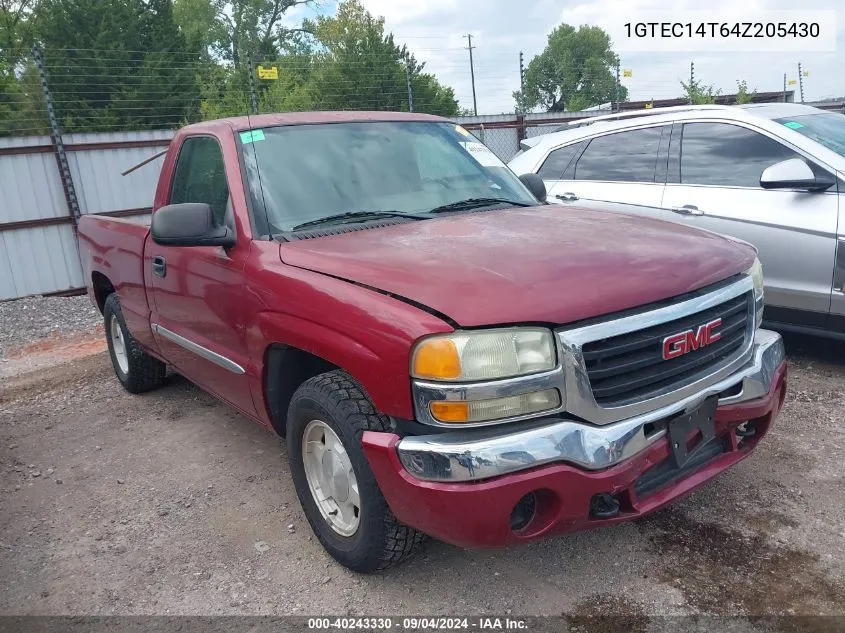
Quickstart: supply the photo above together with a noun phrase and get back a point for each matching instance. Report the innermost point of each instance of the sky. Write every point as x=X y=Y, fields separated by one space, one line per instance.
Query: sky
x=435 y=30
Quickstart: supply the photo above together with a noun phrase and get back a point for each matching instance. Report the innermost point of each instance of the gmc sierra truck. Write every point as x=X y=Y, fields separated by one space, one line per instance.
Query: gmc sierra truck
x=446 y=354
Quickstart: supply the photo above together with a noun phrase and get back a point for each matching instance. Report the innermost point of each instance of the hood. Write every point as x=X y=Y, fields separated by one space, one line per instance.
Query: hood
x=527 y=265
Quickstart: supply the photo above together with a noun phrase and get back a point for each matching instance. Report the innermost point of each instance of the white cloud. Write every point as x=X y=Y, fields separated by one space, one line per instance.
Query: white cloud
x=434 y=30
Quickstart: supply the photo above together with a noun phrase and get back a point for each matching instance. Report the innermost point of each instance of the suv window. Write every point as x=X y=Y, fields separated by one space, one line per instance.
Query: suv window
x=557 y=162
x=200 y=176
x=727 y=155
x=625 y=156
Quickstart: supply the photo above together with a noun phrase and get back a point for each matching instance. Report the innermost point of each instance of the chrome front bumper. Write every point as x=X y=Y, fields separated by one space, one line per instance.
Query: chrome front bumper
x=480 y=454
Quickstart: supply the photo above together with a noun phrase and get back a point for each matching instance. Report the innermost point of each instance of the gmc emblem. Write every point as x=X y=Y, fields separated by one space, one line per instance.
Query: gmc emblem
x=686 y=342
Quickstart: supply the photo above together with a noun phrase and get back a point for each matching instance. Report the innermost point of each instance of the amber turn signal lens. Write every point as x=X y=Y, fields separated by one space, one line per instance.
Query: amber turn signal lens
x=437 y=359
x=450 y=411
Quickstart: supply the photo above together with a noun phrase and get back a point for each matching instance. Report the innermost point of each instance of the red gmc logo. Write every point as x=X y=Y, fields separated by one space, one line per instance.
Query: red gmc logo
x=691 y=340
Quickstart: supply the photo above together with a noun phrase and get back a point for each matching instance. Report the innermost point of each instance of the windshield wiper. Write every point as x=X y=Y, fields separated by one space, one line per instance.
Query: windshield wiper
x=477 y=203
x=358 y=216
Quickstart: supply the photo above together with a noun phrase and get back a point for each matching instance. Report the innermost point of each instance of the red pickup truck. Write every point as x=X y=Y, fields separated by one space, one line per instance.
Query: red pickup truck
x=446 y=354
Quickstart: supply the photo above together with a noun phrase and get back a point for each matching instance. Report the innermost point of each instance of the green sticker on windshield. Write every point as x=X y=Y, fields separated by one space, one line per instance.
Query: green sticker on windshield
x=251 y=136
x=793 y=125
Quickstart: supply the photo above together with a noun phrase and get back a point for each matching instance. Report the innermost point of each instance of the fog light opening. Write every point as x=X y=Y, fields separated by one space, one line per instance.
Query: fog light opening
x=604 y=506
x=523 y=512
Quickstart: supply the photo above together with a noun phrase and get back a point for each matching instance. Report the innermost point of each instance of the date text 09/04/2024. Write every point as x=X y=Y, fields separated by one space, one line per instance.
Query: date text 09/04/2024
x=417 y=623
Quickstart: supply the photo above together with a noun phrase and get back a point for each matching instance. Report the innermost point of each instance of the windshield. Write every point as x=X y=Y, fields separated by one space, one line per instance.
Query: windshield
x=303 y=173
x=827 y=128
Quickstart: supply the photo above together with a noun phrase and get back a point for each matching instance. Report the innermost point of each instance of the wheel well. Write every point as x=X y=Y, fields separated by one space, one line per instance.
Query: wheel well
x=287 y=368
x=102 y=288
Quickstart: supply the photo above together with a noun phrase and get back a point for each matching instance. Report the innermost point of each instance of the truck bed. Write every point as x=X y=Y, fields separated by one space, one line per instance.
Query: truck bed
x=112 y=251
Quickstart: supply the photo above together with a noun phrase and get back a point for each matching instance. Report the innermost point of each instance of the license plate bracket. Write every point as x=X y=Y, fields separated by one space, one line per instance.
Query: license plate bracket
x=679 y=429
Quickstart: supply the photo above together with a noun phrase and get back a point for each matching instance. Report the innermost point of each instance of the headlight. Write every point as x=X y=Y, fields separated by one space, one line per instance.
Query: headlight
x=484 y=355
x=756 y=274
x=481 y=357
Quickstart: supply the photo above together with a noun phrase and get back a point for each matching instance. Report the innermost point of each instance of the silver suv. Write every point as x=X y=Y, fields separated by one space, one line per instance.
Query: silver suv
x=770 y=174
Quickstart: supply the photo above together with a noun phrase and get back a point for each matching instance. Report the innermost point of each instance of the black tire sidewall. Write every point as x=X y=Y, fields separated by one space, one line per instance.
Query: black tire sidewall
x=111 y=310
x=362 y=550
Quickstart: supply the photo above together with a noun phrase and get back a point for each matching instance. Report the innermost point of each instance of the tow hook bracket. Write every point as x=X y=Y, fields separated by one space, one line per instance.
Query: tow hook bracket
x=604 y=506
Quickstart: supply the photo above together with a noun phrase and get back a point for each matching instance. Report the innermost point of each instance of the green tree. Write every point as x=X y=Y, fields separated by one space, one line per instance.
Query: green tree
x=360 y=67
x=699 y=94
x=22 y=110
x=742 y=94
x=17 y=25
x=577 y=69
x=238 y=29
x=118 y=64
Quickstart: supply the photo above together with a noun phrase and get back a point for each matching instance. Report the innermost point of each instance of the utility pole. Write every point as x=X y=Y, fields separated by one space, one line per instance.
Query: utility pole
x=691 y=80
x=410 y=92
x=801 y=82
x=472 y=74
x=784 y=87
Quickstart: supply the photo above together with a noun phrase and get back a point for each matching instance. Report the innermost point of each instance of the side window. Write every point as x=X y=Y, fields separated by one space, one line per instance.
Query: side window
x=200 y=176
x=727 y=155
x=557 y=162
x=625 y=156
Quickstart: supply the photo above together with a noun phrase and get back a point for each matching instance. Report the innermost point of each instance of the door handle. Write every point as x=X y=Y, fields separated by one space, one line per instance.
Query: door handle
x=687 y=209
x=159 y=266
x=567 y=197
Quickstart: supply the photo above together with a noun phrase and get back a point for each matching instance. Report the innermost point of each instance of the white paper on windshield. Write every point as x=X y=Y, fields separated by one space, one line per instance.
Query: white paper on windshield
x=482 y=154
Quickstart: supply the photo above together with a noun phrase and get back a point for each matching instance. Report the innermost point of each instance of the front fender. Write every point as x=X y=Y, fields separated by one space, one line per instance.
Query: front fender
x=383 y=376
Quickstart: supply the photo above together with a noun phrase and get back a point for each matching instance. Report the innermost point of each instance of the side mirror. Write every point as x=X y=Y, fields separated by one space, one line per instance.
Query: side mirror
x=189 y=224
x=793 y=173
x=535 y=185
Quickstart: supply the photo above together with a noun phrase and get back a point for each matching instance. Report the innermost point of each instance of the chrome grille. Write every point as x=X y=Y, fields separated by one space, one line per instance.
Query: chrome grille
x=630 y=367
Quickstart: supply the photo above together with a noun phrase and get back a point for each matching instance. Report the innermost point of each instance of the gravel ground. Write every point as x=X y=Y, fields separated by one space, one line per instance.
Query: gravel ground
x=172 y=503
x=32 y=319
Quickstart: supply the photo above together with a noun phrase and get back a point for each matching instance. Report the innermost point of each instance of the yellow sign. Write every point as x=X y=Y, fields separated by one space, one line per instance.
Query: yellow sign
x=271 y=72
x=627 y=72
x=791 y=82
x=649 y=106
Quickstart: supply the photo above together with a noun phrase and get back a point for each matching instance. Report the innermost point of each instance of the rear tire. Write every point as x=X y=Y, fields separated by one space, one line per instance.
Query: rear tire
x=136 y=370
x=333 y=407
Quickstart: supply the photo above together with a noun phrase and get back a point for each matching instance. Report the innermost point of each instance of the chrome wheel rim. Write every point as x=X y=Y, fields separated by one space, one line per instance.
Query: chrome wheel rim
x=119 y=346
x=330 y=477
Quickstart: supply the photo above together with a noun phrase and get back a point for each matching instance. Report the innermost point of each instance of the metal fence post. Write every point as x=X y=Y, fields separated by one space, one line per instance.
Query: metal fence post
x=801 y=81
x=253 y=95
x=410 y=90
x=618 y=89
x=58 y=144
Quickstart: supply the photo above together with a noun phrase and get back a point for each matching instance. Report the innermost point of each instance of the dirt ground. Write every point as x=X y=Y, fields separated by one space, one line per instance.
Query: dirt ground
x=172 y=503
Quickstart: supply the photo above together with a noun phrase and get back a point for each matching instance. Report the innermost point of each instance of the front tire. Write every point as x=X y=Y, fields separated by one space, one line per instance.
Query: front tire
x=327 y=418
x=136 y=370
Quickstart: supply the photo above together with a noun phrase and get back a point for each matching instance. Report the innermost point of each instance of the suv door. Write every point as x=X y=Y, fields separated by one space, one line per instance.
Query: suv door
x=714 y=182
x=616 y=167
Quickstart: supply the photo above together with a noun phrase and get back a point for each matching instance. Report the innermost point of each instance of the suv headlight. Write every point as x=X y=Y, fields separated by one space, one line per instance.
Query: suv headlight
x=479 y=357
x=756 y=274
